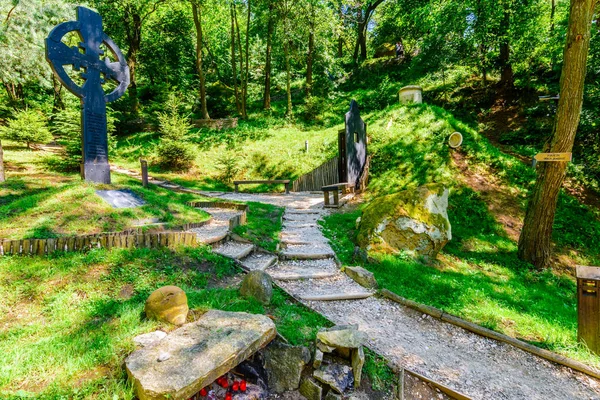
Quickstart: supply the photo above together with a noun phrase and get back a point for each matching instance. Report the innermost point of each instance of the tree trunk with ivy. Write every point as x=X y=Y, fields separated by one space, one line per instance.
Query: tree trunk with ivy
x=197 y=12
x=2 y=176
x=267 y=94
x=535 y=239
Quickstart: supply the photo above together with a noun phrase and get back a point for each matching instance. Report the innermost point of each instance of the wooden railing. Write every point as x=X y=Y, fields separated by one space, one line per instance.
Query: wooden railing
x=325 y=174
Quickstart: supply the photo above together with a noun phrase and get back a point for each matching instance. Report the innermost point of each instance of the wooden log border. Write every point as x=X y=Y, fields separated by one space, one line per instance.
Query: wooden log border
x=443 y=316
x=29 y=247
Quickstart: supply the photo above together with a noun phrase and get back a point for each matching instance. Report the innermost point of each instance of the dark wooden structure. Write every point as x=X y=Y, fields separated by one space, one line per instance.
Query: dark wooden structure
x=286 y=182
x=144 y=165
x=314 y=180
x=335 y=189
x=588 y=307
x=352 y=146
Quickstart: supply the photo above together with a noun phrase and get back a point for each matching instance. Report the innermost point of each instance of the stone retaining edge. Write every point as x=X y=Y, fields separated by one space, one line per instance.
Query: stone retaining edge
x=444 y=316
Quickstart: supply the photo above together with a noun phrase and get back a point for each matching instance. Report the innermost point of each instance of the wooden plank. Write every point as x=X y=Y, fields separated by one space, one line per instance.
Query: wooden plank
x=50 y=246
x=41 y=250
x=71 y=244
x=60 y=244
x=26 y=247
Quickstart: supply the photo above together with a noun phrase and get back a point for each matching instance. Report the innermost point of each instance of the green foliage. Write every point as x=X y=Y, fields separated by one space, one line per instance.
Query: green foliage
x=228 y=166
x=28 y=127
x=175 y=155
x=173 y=151
x=66 y=126
x=263 y=225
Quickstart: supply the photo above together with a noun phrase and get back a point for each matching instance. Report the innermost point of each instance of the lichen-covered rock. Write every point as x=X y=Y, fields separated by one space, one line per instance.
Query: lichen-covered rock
x=358 y=360
x=194 y=355
x=338 y=377
x=413 y=221
x=169 y=304
x=310 y=389
x=361 y=276
x=341 y=336
x=257 y=284
x=284 y=365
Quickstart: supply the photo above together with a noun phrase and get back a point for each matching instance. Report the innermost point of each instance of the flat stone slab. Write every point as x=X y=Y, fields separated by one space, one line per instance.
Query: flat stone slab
x=235 y=250
x=199 y=353
x=307 y=252
x=121 y=198
x=258 y=261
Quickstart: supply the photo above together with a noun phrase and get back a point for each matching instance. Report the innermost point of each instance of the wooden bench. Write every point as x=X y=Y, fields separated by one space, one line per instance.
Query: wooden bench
x=335 y=188
x=286 y=182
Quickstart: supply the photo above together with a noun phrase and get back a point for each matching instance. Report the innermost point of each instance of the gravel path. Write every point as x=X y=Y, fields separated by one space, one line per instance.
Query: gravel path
x=468 y=363
x=476 y=366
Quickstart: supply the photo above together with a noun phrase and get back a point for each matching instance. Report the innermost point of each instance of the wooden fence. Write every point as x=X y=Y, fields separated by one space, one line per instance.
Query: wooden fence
x=42 y=247
x=325 y=174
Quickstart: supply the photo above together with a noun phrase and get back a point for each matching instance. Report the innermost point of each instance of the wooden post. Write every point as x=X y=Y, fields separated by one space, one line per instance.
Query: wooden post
x=236 y=187
x=326 y=197
x=588 y=307
x=336 y=198
x=144 y=164
x=287 y=188
x=306 y=146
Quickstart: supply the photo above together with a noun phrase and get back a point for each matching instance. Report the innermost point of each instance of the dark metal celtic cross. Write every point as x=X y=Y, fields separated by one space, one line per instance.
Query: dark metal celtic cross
x=96 y=71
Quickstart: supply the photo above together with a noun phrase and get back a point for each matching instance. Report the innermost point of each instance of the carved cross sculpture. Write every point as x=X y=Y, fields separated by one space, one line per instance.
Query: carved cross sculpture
x=96 y=71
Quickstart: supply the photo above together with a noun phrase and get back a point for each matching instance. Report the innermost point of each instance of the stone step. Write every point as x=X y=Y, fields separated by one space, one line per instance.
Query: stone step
x=258 y=261
x=338 y=287
x=304 y=269
x=303 y=211
x=234 y=250
x=299 y=224
x=307 y=252
x=301 y=217
x=214 y=232
x=336 y=296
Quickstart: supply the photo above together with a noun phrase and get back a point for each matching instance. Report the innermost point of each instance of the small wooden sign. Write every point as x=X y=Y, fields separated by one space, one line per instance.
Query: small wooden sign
x=554 y=157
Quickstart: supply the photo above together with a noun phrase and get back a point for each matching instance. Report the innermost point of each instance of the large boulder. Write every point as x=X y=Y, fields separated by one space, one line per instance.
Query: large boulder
x=414 y=221
x=169 y=304
x=194 y=355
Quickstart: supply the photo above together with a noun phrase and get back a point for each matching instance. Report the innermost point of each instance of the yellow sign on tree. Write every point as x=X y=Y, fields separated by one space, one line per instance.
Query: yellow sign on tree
x=553 y=157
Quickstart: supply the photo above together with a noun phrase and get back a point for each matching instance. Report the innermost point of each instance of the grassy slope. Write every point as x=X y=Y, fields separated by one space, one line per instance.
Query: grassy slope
x=67 y=325
x=260 y=149
x=479 y=277
x=40 y=204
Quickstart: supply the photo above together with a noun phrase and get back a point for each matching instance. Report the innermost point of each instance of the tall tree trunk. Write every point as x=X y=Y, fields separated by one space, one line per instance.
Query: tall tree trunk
x=197 y=12
x=239 y=41
x=552 y=14
x=310 y=57
x=57 y=103
x=340 y=41
x=288 y=78
x=535 y=239
x=363 y=18
x=2 y=176
x=238 y=106
x=134 y=38
x=506 y=71
x=245 y=88
x=267 y=93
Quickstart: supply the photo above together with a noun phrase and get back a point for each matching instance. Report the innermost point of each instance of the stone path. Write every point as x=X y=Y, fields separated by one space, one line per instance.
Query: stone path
x=478 y=367
x=468 y=363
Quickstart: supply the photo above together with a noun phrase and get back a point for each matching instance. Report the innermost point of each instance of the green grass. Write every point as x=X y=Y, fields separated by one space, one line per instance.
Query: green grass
x=479 y=278
x=35 y=203
x=66 y=328
x=263 y=148
x=263 y=225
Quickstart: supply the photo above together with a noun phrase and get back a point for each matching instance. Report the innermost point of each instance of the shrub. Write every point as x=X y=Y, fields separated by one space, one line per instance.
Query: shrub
x=172 y=124
x=173 y=151
x=227 y=165
x=175 y=155
x=27 y=126
x=67 y=126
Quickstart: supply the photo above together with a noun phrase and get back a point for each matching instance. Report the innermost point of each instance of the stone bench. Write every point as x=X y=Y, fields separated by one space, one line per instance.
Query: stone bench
x=335 y=189
x=286 y=182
